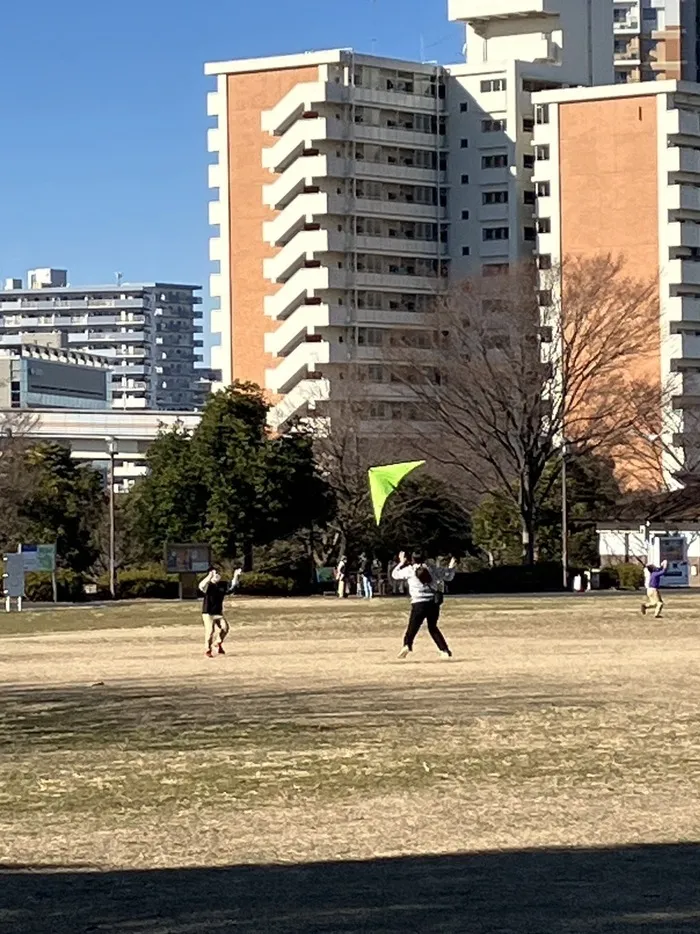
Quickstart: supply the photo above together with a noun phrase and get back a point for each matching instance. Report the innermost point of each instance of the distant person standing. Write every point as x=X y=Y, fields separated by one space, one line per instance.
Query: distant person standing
x=216 y=626
x=653 y=577
x=366 y=577
x=426 y=599
x=342 y=576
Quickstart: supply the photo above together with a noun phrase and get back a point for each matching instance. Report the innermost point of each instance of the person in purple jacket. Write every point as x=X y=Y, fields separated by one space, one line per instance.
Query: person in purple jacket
x=654 y=577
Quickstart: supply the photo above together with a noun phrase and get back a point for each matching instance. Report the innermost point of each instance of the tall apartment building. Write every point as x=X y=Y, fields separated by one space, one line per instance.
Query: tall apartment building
x=149 y=332
x=657 y=40
x=351 y=188
x=623 y=177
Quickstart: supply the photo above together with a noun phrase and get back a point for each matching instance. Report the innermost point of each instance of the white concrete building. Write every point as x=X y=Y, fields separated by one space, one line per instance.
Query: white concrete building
x=350 y=188
x=151 y=333
x=89 y=434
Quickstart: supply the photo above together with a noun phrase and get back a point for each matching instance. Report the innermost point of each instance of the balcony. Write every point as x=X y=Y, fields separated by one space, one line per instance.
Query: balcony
x=304 y=284
x=304 y=396
x=397 y=282
x=304 y=134
x=302 y=322
x=398 y=246
x=304 y=209
x=682 y=123
x=683 y=272
x=402 y=210
x=306 y=245
x=300 y=100
x=303 y=172
x=683 y=160
x=303 y=360
x=684 y=235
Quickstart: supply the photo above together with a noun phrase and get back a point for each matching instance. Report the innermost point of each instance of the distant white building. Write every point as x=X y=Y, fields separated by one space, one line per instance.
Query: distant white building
x=151 y=333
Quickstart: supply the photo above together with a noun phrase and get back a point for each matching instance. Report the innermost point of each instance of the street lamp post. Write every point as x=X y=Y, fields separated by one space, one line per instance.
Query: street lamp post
x=112 y=450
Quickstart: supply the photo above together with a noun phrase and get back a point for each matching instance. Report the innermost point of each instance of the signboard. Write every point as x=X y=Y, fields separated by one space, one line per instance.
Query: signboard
x=13 y=578
x=674 y=550
x=39 y=558
x=187 y=559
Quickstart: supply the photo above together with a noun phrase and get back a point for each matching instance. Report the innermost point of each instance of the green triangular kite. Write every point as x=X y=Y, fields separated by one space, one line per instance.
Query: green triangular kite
x=384 y=480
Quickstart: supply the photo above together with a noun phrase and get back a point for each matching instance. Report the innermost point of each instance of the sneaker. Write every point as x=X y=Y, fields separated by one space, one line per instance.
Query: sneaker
x=644 y=609
x=447 y=654
x=404 y=652
x=220 y=650
x=209 y=653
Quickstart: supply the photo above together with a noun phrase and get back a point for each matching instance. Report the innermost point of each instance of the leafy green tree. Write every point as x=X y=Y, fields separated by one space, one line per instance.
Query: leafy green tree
x=169 y=503
x=230 y=483
x=63 y=504
x=591 y=489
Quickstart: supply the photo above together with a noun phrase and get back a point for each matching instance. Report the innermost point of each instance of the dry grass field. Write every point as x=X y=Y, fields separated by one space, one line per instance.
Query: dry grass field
x=547 y=779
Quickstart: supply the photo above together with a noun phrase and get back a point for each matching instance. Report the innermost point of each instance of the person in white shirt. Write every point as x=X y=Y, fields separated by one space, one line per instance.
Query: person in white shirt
x=424 y=584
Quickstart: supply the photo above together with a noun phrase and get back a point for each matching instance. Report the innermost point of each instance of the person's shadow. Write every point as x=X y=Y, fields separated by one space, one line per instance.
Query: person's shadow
x=634 y=890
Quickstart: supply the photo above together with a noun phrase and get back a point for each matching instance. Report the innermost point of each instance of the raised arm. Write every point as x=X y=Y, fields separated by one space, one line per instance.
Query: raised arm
x=204 y=583
x=403 y=569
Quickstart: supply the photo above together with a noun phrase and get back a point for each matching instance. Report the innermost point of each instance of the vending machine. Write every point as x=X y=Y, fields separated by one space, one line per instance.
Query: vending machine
x=674 y=550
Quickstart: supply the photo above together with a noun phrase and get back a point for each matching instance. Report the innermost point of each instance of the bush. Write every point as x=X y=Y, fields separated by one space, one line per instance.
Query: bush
x=149 y=583
x=265 y=585
x=69 y=584
x=511 y=578
x=630 y=576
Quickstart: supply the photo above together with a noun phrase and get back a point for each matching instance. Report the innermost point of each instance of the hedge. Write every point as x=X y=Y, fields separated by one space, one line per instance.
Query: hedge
x=265 y=585
x=151 y=583
x=69 y=585
x=630 y=576
x=517 y=578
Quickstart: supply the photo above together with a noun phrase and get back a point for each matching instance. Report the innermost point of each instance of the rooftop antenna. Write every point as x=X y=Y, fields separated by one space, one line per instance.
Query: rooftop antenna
x=119 y=276
x=374 y=24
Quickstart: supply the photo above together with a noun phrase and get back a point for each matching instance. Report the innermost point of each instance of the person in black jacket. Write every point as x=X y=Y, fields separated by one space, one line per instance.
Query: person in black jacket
x=215 y=590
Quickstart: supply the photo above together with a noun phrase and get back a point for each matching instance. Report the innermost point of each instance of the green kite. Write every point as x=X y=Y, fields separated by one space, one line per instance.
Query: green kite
x=384 y=480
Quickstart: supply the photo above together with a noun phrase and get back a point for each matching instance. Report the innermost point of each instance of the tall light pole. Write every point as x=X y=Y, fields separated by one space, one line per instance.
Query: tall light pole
x=112 y=451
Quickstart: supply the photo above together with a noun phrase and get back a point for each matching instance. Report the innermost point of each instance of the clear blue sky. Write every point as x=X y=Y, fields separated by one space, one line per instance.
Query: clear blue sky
x=103 y=115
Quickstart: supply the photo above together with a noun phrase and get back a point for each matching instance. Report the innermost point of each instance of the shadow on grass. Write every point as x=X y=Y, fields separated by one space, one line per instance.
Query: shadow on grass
x=43 y=718
x=649 y=890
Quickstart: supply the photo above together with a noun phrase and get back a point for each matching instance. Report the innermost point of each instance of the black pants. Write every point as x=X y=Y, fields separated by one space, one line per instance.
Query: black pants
x=426 y=611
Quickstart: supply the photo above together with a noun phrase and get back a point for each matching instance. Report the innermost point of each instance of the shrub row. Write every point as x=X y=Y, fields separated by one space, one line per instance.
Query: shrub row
x=142 y=584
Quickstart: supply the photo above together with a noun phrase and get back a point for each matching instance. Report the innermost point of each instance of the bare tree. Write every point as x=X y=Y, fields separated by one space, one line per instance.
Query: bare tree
x=525 y=362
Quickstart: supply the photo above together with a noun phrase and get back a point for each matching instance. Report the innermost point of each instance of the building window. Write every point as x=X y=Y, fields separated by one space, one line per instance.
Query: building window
x=544 y=298
x=494 y=233
x=493 y=84
x=466 y=251
x=463 y=107
x=528 y=124
x=497 y=161
x=465 y=215
x=464 y=144
x=529 y=196
x=544 y=261
x=494 y=197
x=542 y=153
x=495 y=269
x=528 y=162
x=493 y=126
x=543 y=189
x=541 y=114
x=544 y=225
x=465 y=179
x=528 y=233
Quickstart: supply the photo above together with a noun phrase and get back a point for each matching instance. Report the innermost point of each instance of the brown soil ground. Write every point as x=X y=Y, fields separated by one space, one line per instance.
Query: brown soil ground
x=560 y=723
